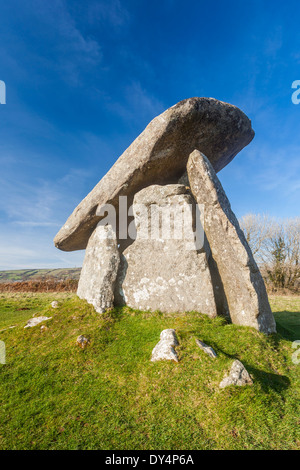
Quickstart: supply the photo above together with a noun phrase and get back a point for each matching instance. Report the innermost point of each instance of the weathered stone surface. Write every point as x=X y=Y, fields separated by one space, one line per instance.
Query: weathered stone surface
x=54 y=304
x=159 y=156
x=161 y=273
x=207 y=349
x=184 y=179
x=164 y=350
x=99 y=270
x=220 y=297
x=35 y=321
x=82 y=341
x=243 y=284
x=238 y=376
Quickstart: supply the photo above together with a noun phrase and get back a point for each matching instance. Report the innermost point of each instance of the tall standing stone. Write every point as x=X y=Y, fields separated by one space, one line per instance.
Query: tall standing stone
x=99 y=270
x=243 y=284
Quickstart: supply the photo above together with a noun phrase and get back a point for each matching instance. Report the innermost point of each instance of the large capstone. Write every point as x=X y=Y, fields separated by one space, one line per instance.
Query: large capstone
x=166 y=267
x=243 y=284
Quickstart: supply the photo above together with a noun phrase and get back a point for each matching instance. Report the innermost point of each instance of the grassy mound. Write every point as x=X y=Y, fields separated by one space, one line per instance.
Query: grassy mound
x=54 y=395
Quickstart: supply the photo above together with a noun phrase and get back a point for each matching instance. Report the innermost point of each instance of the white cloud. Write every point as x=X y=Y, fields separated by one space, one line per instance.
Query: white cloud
x=139 y=105
x=33 y=249
x=69 y=50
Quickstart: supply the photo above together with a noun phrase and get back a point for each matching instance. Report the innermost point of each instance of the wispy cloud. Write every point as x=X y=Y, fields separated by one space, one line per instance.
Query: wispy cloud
x=39 y=252
x=113 y=12
x=280 y=171
x=40 y=202
x=69 y=50
x=139 y=105
x=28 y=223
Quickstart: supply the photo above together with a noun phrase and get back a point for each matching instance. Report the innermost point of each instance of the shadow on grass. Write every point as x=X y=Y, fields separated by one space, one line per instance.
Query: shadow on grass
x=288 y=324
x=267 y=380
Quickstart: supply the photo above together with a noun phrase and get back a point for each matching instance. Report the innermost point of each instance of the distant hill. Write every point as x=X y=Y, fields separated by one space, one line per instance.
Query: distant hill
x=40 y=274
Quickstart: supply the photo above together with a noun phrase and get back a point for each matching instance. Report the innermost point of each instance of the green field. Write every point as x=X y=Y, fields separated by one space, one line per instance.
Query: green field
x=54 y=395
x=34 y=274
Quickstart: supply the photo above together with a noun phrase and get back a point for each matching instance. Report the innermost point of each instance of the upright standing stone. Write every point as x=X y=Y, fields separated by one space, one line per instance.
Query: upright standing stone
x=243 y=284
x=99 y=270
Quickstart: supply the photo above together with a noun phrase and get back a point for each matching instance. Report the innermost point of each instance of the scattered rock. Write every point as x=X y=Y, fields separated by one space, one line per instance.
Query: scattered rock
x=164 y=350
x=99 y=270
x=159 y=156
x=164 y=269
x=44 y=328
x=207 y=349
x=54 y=304
x=238 y=376
x=243 y=284
x=35 y=321
x=82 y=341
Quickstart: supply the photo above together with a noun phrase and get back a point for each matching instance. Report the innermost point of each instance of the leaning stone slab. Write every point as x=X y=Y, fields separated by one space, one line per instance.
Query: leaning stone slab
x=99 y=270
x=163 y=269
x=35 y=321
x=238 y=376
x=164 y=350
x=207 y=349
x=159 y=156
x=243 y=284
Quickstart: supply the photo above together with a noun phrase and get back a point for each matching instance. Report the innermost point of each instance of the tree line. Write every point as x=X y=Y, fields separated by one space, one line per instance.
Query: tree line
x=275 y=244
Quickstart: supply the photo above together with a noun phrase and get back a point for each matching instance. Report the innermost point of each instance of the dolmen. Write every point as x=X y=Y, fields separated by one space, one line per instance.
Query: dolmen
x=158 y=229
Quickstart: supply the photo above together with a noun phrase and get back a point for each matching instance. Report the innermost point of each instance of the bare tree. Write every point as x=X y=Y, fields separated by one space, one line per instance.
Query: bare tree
x=292 y=237
x=275 y=244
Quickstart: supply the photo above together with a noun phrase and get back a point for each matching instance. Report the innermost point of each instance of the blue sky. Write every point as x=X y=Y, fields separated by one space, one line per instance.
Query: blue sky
x=84 y=78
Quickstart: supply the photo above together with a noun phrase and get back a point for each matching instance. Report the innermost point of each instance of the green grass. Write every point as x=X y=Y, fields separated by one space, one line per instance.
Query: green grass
x=53 y=395
x=286 y=311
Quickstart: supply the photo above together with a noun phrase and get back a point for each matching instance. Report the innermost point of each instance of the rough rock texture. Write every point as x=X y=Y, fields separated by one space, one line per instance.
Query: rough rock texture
x=161 y=273
x=99 y=270
x=207 y=349
x=164 y=350
x=2 y=353
x=238 y=376
x=220 y=297
x=159 y=156
x=82 y=341
x=243 y=284
x=35 y=321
